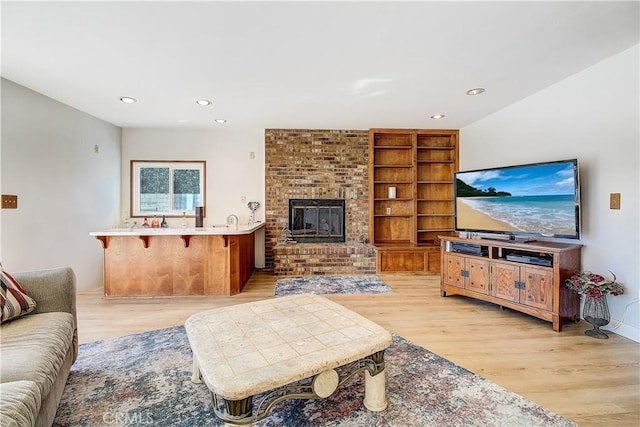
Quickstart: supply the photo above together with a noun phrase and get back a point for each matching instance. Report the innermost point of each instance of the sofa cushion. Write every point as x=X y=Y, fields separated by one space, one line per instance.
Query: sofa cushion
x=34 y=347
x=14 y=300
x=19 y=403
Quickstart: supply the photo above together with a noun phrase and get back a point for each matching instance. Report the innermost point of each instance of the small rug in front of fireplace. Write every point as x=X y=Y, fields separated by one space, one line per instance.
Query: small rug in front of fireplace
x=326 y=285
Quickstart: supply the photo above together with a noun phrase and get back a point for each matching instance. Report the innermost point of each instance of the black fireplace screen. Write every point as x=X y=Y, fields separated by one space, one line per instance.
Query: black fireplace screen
x=317 y=220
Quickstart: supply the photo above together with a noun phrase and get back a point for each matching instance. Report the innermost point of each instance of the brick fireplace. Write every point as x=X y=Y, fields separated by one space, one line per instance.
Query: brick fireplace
x=305 y=164
x=317 y=220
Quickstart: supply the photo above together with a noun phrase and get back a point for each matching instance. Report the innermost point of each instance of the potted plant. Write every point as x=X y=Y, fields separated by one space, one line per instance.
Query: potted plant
x=594 y=288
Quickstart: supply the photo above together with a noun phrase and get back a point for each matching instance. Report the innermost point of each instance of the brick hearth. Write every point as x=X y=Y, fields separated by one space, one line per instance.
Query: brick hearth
x=318 y=164
x=300 y=259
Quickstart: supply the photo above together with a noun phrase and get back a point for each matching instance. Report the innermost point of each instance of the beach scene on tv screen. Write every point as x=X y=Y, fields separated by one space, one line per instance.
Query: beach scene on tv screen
x=535 y=199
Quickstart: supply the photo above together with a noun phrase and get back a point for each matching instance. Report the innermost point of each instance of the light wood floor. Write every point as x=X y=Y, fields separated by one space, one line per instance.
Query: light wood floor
x=593 y=382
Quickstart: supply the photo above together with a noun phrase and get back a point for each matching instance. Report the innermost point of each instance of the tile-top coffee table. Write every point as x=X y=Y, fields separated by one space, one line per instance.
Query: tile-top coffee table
x=265 y=346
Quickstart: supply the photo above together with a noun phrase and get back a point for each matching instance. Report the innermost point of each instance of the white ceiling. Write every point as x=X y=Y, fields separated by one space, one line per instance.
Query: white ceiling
x=338 y=65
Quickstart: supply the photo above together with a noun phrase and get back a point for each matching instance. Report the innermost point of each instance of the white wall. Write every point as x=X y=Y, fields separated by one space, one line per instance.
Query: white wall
x=64 y=189
x=592 y=116
x=231 y=173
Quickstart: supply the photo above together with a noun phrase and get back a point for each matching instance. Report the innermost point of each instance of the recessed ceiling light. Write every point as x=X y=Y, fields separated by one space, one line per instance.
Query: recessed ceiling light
x=475 y=91
x=437 y=116
x=128 y=100
x=203 y=102
x=220 y=120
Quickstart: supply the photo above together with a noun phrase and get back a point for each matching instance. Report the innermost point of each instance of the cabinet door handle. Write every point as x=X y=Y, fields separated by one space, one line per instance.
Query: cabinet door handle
x=519 y=285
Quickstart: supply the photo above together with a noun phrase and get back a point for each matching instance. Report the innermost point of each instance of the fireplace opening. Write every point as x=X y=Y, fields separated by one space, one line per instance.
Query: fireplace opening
x=317 y=220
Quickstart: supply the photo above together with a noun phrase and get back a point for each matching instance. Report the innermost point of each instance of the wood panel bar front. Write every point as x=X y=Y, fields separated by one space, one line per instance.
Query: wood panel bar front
x=164 y=265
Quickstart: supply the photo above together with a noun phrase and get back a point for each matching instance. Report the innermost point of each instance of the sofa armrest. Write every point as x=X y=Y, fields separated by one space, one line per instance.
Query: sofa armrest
x=53 y=290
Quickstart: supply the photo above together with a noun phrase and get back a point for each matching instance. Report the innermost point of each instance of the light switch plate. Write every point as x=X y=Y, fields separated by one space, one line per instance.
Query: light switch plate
x=614 y=201
x=9 y=201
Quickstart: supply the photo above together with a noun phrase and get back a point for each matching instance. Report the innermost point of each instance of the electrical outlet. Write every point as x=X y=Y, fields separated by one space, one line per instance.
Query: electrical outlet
x=243 y=199
x=252 y=155
x=614 y=201
x=9 y=201
x=96 y=149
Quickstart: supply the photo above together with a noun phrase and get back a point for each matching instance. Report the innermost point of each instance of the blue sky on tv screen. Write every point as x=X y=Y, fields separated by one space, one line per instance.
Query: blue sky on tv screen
x=534 y=180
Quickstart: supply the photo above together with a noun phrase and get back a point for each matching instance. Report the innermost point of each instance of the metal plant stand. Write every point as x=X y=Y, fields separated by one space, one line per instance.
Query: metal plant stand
x=596 y=312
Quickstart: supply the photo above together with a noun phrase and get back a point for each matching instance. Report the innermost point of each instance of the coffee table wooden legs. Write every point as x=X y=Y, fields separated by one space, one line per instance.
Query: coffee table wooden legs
x=375 y=393
x=195 y=373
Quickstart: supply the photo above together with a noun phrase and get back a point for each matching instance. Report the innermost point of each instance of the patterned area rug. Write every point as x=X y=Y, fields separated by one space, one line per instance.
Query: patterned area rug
x=144 y=379
x=325 y=285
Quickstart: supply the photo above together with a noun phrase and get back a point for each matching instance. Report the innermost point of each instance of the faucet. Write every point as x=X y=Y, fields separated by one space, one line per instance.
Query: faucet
x=233 y=220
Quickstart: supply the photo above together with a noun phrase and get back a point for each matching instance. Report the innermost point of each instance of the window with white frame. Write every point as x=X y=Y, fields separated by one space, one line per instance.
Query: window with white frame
x=167 y=187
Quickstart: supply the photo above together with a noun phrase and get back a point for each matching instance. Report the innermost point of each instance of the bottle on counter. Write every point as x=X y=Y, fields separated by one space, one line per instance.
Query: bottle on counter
x=145 y=223
x=164 y=224
x=199 y=216
x=154 y=222
x=184 y=220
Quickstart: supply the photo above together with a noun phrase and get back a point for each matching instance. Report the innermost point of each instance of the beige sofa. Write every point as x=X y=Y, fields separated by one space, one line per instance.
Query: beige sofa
x=38 y=349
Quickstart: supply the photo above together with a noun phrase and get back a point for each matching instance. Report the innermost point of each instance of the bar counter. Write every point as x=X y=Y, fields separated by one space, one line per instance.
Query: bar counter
x=148 y=262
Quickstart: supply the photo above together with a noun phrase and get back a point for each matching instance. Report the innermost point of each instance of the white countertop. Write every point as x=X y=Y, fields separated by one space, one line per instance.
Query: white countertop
x=216 y=230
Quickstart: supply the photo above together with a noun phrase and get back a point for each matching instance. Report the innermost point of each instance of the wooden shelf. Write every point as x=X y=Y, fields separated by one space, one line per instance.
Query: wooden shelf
x=394 y=147
x=420 y=163
x=396 y=243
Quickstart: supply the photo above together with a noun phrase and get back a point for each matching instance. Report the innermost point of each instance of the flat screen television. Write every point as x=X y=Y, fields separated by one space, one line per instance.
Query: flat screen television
x=531 y=200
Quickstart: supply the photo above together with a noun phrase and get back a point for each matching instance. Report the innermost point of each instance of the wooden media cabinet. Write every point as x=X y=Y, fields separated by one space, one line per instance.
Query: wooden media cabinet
x=526 y=277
